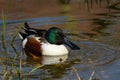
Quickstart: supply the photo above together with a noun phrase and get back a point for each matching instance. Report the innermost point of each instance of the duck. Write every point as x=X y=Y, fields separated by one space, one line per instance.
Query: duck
x=51 y=42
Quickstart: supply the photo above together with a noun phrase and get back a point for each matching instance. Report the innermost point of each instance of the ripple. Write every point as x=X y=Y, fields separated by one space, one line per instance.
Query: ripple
x=95 y=54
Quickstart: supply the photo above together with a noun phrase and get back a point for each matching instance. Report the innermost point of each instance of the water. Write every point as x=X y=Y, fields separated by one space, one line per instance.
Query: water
x=93 y=25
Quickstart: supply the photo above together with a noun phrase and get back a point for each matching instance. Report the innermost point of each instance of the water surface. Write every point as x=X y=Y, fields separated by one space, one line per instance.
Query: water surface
x=93 y=25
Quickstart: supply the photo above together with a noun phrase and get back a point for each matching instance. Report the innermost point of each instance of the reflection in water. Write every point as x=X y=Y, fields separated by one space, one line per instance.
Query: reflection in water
x=40 y=21
x=115 y=6
x=91 y=3
x=66 y=8
x=102 y=25
x=54 y=67
x=48 y=60
x=64 y=1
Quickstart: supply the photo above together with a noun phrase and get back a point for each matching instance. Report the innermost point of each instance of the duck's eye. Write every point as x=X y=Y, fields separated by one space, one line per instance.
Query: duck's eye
x=57 y=34
x=60 y=34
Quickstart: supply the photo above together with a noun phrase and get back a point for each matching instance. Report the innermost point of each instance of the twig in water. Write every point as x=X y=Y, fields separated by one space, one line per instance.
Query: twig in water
x=78 y=77
x=91 y=77
x=13 y=39
x=16 y=33
x=20 y=74
x=36 y=68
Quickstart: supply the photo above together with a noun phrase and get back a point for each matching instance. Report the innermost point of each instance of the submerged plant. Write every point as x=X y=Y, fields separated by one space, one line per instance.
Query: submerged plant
x=3 y=32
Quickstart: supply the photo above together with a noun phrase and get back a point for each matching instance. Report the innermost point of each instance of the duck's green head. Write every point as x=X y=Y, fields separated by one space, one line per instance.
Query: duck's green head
x=55 y=36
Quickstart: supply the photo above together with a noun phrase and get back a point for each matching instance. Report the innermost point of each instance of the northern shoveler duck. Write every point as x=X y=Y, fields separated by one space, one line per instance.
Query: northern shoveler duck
x=51 y=42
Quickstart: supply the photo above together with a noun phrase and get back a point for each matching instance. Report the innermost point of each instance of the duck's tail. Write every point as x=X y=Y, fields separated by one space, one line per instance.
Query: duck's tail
x=31 y=31
x=26 y=32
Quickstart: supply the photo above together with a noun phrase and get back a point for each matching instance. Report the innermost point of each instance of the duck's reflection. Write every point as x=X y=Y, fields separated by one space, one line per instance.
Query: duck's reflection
x=47 y=60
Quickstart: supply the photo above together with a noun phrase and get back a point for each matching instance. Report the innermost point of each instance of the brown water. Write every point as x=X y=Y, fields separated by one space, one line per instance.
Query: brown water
x=92 y=24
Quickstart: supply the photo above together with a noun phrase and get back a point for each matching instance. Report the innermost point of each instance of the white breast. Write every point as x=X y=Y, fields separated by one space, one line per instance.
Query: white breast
x=53 y=50
x=24 y=42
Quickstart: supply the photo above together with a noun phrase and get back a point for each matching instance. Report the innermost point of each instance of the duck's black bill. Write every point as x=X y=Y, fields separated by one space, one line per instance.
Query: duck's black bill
x=72 y=45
